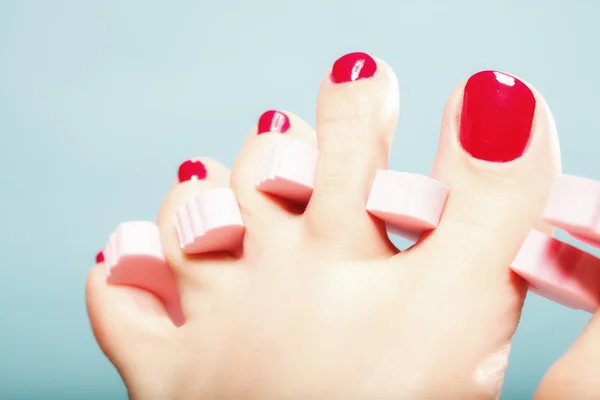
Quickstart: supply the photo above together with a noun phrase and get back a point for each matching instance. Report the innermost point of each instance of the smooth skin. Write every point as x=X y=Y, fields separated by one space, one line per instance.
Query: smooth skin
x=320 y=304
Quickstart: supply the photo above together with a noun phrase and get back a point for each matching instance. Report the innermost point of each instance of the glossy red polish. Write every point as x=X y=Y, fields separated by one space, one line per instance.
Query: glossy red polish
x=352 y=67
x=497 y=116
x=191 y=170
x=273 y=121
x=100 y=257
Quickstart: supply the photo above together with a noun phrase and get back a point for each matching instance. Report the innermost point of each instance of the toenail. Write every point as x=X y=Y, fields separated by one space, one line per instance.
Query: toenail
x=497 y=115
x=191 y=170
x=100 y=257
x=352 y=67
x=273 y=121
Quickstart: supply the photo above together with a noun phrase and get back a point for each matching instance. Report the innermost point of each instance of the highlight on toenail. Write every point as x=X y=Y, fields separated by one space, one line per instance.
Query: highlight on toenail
x=352 y=67
x=497 y=116
x=100 y=257
x=191 y=170
x=273 y=121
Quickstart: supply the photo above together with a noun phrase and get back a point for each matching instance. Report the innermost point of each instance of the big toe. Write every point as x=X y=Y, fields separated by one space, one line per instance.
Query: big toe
x=498 y=154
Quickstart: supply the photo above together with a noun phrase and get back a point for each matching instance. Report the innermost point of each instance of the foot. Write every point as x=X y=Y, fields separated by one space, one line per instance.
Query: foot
x=320 y=304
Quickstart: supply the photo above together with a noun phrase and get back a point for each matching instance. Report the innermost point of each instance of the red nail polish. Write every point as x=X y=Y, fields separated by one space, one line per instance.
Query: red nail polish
x=191 y=170
x=100 y=257
x=273 y=121
x=497 y=115
x=352 y=67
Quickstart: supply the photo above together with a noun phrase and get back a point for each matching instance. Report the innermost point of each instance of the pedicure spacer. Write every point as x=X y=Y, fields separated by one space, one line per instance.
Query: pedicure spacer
x=133 y=256
x=556 y=270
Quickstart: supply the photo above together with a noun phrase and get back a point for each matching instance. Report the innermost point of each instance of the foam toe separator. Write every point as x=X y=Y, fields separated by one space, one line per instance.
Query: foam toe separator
x=556 y=270
x=410 y=204
x=288 y=169
x=210 y=222
x=134 y=257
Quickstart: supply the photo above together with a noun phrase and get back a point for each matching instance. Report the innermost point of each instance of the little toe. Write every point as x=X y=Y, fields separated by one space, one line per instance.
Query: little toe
x=357 y=113
x=125 y=320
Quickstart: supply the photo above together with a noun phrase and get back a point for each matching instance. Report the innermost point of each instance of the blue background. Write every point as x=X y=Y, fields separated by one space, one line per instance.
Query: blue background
x=100 y=101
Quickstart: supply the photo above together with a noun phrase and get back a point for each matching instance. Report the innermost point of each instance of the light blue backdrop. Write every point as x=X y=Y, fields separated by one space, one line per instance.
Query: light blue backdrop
x=100 y=101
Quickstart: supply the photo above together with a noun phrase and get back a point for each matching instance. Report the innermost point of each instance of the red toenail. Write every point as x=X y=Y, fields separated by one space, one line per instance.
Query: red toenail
x=191 y=170
x=100 y=257
x=497 y=115
x=273 y=121
x=352 y=67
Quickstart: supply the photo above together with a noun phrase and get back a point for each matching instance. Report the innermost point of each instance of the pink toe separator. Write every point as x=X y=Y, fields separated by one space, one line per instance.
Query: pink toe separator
x=410 y=204
x=574 y=206
x=210 y=222
x=288 y=169
x=134 y=257
x=559 y=271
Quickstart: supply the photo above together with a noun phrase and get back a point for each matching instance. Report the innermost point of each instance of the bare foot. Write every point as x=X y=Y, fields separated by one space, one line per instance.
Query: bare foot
x=320 y=305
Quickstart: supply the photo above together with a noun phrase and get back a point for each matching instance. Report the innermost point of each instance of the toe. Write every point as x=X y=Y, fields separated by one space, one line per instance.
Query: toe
x=357 y=114
x=125 y=320
x=498 y=154
x=257 y=162
x=200 y=225
x=575 y=375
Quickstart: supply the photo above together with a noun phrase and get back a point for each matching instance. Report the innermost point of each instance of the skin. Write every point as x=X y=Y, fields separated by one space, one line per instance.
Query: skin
x=320 y=305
